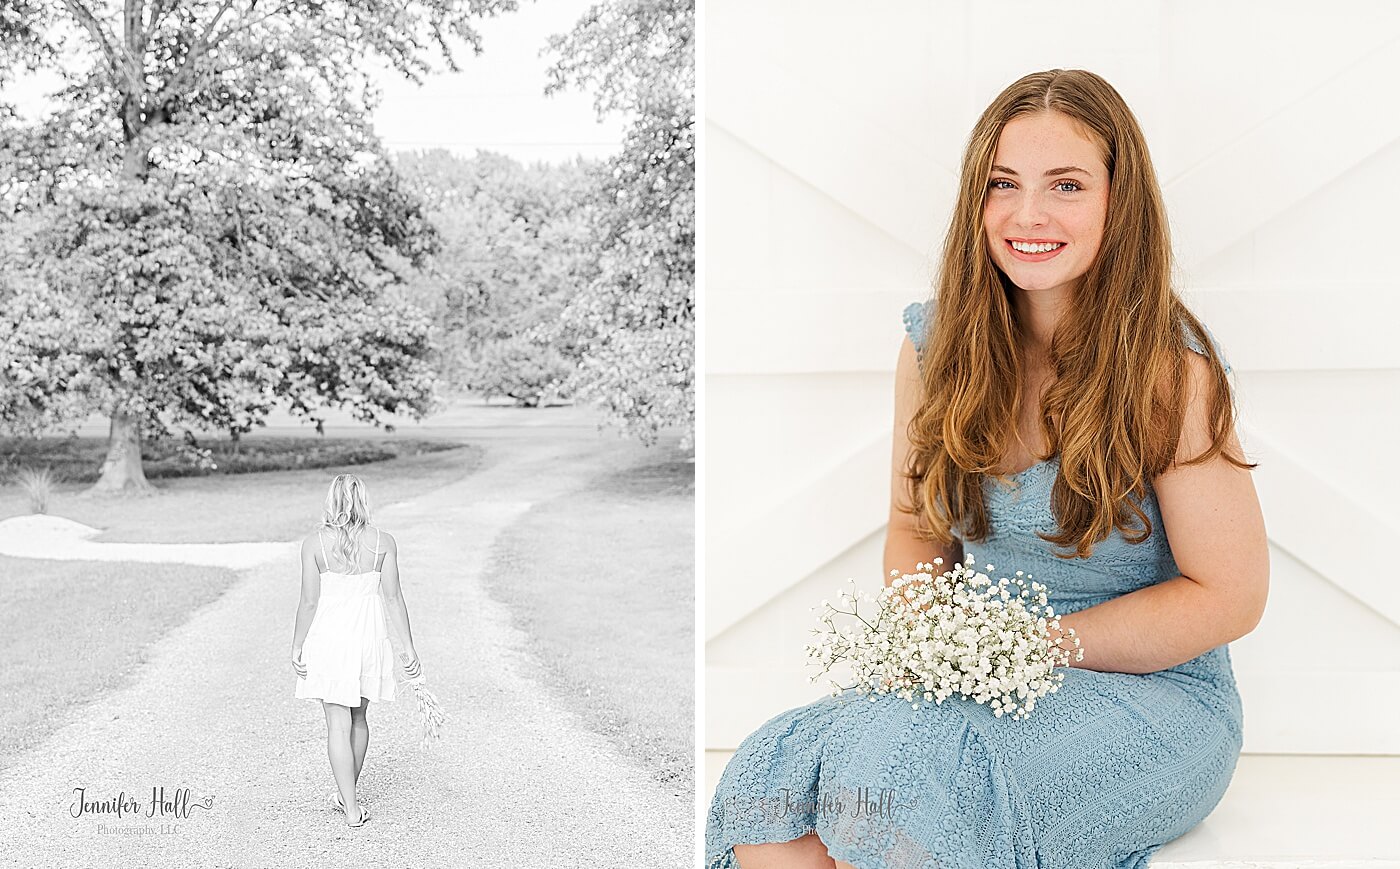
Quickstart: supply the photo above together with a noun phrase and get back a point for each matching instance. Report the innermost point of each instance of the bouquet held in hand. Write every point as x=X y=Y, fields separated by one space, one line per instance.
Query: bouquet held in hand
x=431 y=714
x=931 y=636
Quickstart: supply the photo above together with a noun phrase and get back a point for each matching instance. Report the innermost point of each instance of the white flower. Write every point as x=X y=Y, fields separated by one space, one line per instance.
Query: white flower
x=932 y=636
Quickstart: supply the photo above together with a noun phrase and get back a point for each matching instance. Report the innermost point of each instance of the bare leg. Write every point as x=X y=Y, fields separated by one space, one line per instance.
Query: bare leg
x=807 y=851
x=341 y=754
x=359 y=734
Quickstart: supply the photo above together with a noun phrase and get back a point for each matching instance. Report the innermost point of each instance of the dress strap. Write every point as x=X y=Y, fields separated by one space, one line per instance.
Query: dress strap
x=377 y=563
x=918 y=321
x=324 y=559
x=1195 y=344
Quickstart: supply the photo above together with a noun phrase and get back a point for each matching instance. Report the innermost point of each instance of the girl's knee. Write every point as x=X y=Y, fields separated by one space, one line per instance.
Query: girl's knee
x=337 y=717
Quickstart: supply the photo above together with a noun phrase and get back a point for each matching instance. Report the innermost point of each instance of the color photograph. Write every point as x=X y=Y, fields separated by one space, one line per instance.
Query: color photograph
x=1047 y=389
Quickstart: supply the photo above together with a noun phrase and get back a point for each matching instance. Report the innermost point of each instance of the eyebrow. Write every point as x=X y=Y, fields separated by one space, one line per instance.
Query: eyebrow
x=1063 y=170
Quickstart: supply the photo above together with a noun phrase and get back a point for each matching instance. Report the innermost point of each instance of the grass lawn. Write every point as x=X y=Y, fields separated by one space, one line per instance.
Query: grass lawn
x=614 y=630
x=267 y=506
x=71 y=631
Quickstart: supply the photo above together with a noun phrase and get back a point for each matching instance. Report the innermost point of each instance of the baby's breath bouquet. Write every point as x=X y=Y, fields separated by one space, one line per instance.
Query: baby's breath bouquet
x=431 y=714
x=933 y=635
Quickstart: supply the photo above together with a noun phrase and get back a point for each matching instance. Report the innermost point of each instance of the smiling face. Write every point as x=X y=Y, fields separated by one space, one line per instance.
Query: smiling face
x=1047 y=193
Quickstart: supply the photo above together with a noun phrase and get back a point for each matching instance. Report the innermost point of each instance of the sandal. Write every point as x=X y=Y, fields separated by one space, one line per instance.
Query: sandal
x=364 y=816
x=336 y=802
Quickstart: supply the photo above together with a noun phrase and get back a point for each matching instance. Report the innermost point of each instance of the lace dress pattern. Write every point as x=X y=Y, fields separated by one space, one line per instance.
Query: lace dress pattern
x=1103 y=773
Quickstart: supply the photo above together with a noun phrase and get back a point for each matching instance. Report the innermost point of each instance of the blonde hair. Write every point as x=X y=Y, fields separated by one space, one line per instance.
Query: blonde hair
x=346 y=513
x=1115 y=410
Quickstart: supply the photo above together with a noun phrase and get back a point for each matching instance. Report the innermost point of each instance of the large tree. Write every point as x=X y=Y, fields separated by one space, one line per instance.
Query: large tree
x=636 y=320
x=206 y=226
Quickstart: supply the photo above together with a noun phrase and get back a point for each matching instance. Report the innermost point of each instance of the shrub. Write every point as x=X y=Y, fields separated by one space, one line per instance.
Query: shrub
x=38 y=486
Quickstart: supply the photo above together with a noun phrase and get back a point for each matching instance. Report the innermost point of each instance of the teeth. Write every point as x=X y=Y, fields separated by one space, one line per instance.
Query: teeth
x=1034 y=248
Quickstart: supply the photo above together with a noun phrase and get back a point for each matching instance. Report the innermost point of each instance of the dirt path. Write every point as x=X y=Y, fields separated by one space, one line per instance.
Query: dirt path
x=515 y=782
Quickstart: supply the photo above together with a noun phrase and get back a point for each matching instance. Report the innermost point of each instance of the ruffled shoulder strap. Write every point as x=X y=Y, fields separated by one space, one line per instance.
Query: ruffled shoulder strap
x=918 y=318
x=1195 y=344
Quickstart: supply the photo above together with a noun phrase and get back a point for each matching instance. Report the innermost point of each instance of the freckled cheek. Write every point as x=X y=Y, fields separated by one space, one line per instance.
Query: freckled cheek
x=994 y=227
x=1089 y=232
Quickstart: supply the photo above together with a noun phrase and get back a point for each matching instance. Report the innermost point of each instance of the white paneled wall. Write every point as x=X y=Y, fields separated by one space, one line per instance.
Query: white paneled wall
x=833 y=136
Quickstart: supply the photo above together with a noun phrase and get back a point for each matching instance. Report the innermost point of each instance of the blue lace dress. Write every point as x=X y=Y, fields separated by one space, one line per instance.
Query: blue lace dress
x=1104 y=771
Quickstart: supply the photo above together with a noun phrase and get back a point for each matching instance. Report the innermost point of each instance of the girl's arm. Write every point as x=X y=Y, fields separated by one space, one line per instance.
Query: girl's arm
x=310 y=596
x=394 y=604
x=903 y=546
x=1215 y=527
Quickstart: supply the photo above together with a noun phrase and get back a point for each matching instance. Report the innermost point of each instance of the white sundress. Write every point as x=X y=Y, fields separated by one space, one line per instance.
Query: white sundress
x=347 y=652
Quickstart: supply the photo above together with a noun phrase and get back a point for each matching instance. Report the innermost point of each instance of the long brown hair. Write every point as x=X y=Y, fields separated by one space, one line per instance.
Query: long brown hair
x=1115 y=409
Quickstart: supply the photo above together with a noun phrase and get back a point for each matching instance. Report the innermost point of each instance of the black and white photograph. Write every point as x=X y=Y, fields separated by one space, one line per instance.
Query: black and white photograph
x=347 y=433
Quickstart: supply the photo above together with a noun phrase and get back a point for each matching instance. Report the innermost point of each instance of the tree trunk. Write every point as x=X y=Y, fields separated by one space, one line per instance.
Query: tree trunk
x=122 y=471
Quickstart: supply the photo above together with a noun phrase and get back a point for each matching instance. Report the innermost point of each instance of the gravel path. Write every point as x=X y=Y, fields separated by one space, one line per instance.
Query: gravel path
x=514 y=782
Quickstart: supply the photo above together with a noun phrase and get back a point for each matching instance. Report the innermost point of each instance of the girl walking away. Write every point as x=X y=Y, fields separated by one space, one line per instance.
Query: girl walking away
x=340 y=648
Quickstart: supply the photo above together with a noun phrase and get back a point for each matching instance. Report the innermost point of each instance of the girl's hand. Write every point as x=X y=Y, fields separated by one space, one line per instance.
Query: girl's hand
x=413 y=668
x=297 y=664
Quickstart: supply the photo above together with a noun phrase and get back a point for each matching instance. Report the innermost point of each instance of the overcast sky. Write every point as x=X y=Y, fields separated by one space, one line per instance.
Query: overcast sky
x=495 y=103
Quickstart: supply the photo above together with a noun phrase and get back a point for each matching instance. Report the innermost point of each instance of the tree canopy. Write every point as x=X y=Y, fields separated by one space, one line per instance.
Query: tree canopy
x=635 y=322
x=206 y=225
x=516 y=244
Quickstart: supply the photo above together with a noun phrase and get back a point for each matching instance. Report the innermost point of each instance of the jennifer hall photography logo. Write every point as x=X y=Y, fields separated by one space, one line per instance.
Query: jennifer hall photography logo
x=168 y=806
x=867 y=803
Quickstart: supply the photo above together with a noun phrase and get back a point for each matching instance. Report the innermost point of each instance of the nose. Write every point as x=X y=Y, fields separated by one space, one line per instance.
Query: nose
x=1030 y=210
